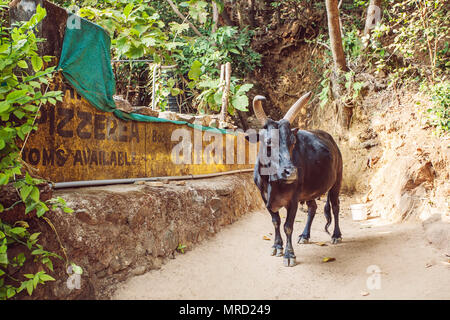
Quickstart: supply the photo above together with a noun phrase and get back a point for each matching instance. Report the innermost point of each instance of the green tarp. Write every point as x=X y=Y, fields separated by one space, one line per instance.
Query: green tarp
x=86 y=63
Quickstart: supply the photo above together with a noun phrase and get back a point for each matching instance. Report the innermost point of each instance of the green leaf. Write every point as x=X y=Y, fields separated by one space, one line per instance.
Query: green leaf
x=17 y=230
x=4 y=105
x=22 y=64
x=128 y=10
x=10 y=292
x=25 y=192
x=36 y=279
x=240 y=102
x=3 y=258
x=77 y=269
x=29 y=287
x=34 y=236
x=28 y=178
x=34 y=195
x=37 y=63
x=16 y=95
x=244 y=88
x=195 y=71
x=46 y=277
x=68 y=210
x=41 y=210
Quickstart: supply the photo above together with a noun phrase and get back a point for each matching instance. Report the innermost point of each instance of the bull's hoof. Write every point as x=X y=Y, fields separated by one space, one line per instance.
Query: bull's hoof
x=277 y=252
x=302 y=240
x=289 y=262
x=336 y=240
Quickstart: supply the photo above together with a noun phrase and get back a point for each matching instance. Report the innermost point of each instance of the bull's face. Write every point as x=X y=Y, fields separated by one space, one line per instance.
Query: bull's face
x=277 y=142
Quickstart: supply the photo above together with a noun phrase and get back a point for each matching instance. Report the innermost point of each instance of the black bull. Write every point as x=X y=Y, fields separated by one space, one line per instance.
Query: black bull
x=296 y=166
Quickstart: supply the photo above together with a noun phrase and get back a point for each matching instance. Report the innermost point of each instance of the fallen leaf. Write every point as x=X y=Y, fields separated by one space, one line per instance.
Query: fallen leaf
x=322 y=244
x=328 y=259
x=266 y=238
x=364 y=293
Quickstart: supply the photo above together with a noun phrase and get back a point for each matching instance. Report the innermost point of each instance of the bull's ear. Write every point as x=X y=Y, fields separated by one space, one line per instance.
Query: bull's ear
x=252 y=137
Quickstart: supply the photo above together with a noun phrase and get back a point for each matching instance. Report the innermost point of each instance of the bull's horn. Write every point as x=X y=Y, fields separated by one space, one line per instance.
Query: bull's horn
x=296 y=107
x=258 y=109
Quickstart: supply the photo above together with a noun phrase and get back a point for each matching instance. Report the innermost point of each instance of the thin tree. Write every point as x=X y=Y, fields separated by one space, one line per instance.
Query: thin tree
x=182 y=17
x=334 y=31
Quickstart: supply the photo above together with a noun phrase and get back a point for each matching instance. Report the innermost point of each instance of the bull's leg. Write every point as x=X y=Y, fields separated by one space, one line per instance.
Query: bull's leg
x=337 y=236
x=277 y=248
x=312 y=207
x=289 y=256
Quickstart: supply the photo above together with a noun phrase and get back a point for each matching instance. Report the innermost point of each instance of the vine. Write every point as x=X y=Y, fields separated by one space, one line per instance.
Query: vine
x=24 y=83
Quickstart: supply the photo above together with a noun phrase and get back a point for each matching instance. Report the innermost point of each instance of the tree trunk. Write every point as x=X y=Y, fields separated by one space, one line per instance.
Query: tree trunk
x=226 y=17
x=215 y=16
x=335 y=35
x=251 y=13
x=373 y=15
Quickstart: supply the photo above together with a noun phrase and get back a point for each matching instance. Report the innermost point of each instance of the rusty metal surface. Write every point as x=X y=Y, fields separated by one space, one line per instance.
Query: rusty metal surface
x=77 y=142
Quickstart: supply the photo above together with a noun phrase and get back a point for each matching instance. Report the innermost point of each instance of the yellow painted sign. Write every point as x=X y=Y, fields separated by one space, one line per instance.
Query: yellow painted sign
x=77 y=142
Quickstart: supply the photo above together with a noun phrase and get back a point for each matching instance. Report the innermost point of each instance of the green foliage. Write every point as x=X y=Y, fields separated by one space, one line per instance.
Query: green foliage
x=420 y=29
x=181 y=247
x=135 y=28
x=23 y=78
x=212 y=92
x=201 y=59
x=439 y=113
x=146 y=30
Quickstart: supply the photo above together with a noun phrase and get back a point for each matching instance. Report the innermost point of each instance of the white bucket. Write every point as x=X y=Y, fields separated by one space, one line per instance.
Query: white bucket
x=359 y=211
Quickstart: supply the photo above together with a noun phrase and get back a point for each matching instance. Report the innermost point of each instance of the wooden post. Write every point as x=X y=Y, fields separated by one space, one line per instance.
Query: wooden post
x=155 y=69
x=226 y=89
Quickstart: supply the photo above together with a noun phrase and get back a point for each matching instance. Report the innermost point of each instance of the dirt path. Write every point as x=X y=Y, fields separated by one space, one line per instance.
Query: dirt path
x=236 y=264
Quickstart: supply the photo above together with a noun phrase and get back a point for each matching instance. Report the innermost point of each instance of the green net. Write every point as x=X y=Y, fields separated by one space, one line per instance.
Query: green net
x=86 y=63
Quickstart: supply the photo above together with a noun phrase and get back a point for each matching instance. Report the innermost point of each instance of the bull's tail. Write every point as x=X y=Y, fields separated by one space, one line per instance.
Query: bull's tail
x=327 y=212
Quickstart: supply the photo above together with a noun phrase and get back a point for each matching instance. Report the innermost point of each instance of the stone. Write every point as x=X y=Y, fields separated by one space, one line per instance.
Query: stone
x=146 y=111
x=213 y=123
x=123 y=104
x=168 y=115
x=186 y=117
x=138 y=271
x=369 y=144
x=155 y=183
